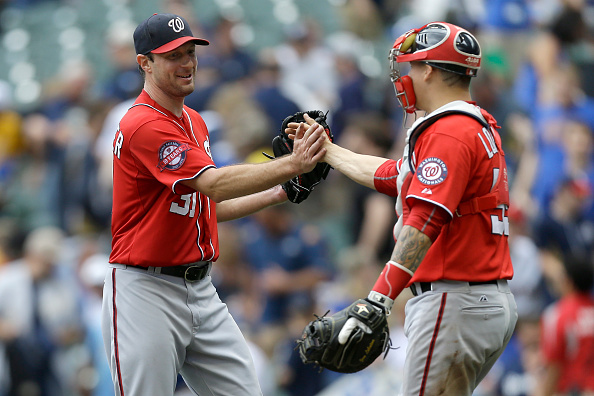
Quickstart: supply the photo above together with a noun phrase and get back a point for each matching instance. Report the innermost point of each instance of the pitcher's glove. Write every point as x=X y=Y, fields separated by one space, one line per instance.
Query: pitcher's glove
x=299 y=187
x=320 y=343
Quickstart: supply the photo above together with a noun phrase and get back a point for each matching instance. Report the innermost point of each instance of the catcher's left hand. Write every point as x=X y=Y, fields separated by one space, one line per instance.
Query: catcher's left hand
x=299 y=187
x=320 y=341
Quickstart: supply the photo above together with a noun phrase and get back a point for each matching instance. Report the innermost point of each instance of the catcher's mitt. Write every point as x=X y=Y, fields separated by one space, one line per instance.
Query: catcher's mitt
x=319 y=342
x=299 y=187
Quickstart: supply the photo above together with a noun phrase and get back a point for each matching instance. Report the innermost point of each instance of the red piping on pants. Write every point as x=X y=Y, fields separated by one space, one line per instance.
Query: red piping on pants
x=432 y=345
x=115 y=332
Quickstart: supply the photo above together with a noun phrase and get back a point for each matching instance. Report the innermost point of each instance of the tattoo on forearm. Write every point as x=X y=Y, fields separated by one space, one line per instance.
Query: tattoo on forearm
x=411 y=248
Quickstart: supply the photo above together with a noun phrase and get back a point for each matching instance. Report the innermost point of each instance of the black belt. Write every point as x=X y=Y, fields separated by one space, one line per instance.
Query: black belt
x=426 y=286
x=190 y=272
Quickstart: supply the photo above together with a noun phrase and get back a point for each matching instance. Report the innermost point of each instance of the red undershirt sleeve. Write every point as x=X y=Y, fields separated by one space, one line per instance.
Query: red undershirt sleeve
x=385 y=178
x=427 y=218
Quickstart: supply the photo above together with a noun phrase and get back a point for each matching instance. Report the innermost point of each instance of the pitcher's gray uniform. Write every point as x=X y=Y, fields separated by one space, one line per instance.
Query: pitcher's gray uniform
x=162 y=314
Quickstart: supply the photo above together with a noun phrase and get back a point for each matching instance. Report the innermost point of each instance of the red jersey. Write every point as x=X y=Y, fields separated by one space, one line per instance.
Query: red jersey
x=457 y=159
x=156 y=220
x=567 y=338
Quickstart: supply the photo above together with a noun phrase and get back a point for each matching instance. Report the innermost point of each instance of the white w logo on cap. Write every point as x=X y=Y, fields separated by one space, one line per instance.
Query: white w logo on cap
x=177 y=24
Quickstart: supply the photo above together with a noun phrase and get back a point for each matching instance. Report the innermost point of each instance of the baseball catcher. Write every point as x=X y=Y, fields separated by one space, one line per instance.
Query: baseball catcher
x=347 y=341
x=299 y=187
x=451 y=238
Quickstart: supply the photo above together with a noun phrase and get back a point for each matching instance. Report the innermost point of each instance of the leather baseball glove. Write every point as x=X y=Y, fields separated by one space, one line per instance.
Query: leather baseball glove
x=321 y=344
x=299 y=187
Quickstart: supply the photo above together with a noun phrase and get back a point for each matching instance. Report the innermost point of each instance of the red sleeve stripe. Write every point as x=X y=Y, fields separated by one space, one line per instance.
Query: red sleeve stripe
x=428 y=220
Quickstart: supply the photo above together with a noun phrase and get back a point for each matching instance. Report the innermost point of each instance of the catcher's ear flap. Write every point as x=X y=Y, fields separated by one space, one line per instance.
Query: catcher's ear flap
x=405 y=93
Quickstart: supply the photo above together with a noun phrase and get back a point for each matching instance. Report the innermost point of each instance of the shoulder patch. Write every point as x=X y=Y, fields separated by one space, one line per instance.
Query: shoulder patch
x=432 y=171
x=172 y=155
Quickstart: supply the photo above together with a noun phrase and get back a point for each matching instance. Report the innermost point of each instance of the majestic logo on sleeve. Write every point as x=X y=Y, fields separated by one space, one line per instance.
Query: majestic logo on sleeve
x=172 y=155
x=432 y=171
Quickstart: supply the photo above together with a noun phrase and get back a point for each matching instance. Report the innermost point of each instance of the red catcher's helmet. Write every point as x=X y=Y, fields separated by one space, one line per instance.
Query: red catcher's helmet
x=442 y=45
x=439 y=44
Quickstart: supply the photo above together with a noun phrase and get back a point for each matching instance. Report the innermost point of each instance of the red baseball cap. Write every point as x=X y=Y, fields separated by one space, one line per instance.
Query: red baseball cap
x=162 y=33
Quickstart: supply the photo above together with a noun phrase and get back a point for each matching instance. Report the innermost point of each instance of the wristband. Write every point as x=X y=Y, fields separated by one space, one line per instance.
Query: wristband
x=392 y=280
x=383 y=301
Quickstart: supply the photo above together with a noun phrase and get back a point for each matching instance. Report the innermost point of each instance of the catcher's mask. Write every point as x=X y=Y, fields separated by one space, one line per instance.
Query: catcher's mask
x=439 y=44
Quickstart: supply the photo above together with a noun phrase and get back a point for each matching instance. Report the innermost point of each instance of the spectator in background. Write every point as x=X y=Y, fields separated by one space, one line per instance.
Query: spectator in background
x=92 y=275
x=28 y=198
x=70 y=89
x=568 y=331
x=267 y=91
x=573 y=30
x=545 y=51
x=363 y=18
x=237 y=287
x=208 y=82
x=10 y=240
x=93 y=199
x=372 y=214
x=293 y=377
x=355 y=275
x=548 y=90
x=66 y=135
x=289 y=259
x=503 y=29
x=102 y=151
x=39 y=316
x=578 y=156
x=528 y=283
x=562 y=230
x=226 y=63
x=491 y=91
x=124 y=81
x=11 y=139
x=233 y=62
x=352 y=85
x=516 y=371
x=307 y=67
x=542 y=168
x=560 y=99
x=244 y=127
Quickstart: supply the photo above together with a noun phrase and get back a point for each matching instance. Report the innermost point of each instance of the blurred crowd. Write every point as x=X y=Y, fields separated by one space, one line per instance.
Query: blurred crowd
x=279 y=267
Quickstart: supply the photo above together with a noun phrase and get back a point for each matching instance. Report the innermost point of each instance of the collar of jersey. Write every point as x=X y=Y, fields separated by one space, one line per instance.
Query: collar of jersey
x=144 y=99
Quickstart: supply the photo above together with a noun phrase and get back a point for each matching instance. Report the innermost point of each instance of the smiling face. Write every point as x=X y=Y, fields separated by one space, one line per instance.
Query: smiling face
x=172 y=72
